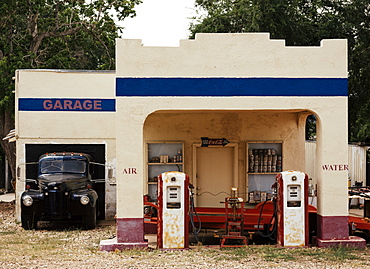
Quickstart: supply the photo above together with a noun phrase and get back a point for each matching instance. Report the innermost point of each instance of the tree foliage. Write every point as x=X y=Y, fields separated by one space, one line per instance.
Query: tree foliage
x=305 y=23
x=54 y=34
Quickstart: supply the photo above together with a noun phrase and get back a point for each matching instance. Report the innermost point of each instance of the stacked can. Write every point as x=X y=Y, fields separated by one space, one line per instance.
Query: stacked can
x=279 y=164
x=164 y=158
x=251 y=161
x=178 y=158
x=264 y=161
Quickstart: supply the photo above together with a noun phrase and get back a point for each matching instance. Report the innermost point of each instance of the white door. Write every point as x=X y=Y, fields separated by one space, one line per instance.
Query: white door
x=215 y=174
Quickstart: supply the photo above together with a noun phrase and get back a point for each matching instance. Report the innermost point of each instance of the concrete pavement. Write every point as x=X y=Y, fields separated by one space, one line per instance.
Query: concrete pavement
x=8 y=197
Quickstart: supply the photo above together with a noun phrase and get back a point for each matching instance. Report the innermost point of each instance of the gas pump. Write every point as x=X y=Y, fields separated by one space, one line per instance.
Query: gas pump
x=292 y=209
x=173 y=207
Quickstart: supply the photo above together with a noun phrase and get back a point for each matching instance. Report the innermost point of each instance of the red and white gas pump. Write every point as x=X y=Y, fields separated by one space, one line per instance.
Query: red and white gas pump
x=292 y=209
x=173 y=208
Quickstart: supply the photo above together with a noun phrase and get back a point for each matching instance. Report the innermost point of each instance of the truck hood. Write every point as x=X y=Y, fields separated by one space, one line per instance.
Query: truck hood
x=62 y=181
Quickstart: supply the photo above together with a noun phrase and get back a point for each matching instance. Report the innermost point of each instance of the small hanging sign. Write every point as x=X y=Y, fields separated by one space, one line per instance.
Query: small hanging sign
x=214 y=142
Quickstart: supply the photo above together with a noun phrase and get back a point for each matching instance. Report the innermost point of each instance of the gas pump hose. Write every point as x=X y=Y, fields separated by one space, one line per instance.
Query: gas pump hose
x=193 y=212
x=270 y=235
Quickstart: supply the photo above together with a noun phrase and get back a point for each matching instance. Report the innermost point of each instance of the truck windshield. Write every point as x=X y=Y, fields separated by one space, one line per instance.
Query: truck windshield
x=62 y=166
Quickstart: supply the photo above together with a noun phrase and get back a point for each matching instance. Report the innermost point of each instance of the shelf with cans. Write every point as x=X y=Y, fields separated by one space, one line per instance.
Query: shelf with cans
x=264 y=161
x=162 y=157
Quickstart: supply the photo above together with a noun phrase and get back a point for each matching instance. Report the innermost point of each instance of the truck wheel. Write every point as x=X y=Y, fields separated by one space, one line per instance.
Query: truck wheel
x=29 y=222
x=89 y=220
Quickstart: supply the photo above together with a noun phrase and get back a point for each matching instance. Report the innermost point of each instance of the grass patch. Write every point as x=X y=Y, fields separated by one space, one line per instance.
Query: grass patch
x=45 y=243
x=276 y=254
x=72 y=244
x=268 y=253
x=279 y=254
x=331 y=254
x=7 y=232
x=342 y=253
x=273 y=253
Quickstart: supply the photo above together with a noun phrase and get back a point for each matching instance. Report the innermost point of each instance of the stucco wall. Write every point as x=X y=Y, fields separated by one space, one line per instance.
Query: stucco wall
x=232 y=55
x=64 y=83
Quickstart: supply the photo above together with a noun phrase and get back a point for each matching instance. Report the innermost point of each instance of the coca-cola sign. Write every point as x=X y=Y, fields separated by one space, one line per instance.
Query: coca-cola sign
x=214 y=141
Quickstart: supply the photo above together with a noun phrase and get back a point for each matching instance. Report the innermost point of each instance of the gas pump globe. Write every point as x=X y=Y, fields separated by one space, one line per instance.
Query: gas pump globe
x=292 y=209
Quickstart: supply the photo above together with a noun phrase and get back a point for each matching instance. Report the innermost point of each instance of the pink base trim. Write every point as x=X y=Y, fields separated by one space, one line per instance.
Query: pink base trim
x=113 y=245
x=130 y=230
x=332 y=227
x=352 y=241
x=130 y=234
x=333 y=231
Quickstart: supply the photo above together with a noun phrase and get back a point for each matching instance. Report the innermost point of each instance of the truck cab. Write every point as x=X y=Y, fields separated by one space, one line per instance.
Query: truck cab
x=63 y=190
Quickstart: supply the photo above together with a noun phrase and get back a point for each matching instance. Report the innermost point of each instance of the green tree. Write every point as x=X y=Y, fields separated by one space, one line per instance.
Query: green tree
x=305 y=23
x=59 y=34
x=356 y=18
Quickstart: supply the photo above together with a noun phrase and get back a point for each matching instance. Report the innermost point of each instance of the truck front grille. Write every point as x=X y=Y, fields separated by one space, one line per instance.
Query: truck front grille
x=56 y=204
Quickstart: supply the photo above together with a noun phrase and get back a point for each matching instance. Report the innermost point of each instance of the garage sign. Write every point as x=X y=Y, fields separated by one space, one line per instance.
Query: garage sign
x=70 y=104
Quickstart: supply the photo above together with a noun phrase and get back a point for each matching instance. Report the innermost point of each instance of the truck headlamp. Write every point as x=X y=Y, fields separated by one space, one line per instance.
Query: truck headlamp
x=84 y=200
x=27 y=200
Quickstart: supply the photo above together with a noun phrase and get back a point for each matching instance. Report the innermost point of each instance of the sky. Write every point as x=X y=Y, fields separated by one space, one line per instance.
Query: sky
x=160 y=22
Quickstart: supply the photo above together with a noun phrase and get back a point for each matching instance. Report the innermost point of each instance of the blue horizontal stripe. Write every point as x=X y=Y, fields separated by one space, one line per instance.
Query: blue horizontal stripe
x=231 y=87
x=70 y=104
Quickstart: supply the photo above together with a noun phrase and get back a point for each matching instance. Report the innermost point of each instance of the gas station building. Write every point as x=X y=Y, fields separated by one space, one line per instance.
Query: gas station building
x=246 y=90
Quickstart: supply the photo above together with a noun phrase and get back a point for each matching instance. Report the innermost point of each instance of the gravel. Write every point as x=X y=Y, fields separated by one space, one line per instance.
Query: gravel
x=67 y=246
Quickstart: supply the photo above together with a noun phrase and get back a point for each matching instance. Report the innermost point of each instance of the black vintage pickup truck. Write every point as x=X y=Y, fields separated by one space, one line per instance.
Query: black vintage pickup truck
x=63 y=190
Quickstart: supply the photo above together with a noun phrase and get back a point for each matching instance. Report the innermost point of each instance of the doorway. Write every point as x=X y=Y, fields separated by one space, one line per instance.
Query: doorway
x=215 y=174
x=97 y=152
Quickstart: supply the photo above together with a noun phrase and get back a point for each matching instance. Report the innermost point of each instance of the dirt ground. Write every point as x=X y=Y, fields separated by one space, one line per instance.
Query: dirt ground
x=67 y=246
